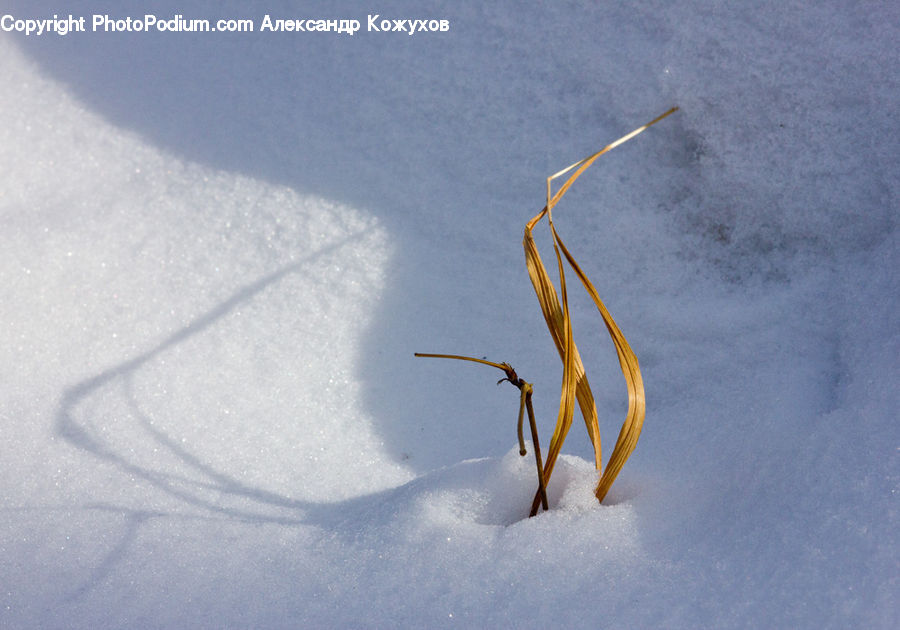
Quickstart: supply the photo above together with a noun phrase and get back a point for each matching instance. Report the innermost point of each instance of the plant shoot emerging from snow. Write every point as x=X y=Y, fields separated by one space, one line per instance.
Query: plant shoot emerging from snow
x=575 y=385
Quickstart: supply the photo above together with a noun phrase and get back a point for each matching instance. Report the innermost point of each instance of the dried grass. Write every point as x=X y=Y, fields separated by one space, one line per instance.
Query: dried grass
x=575 y=386
x=574 y=382
x=526 y=390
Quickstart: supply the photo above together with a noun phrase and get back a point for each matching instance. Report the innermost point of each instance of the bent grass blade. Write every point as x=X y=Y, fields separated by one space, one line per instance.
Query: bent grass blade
x=558 y=321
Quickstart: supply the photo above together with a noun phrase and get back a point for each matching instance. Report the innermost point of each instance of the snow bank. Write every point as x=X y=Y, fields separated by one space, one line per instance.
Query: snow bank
x=219 y=254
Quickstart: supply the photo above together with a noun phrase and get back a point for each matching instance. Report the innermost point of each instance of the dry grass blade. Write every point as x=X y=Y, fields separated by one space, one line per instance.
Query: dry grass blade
x=575 y=384
x=553 y=316
x=634 y=418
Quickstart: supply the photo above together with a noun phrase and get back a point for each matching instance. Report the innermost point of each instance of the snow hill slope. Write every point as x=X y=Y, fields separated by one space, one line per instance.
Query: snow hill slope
x=220 y=251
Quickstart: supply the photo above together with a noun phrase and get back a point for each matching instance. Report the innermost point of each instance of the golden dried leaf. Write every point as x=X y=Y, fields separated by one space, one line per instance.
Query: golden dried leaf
x=574 y=383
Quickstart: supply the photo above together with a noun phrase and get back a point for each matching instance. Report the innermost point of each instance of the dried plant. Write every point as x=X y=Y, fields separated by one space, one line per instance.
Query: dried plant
x=526 y=390
x=575 y=386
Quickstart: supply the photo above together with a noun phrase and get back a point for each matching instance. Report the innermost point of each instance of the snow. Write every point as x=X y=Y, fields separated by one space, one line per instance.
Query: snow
x=220 y=252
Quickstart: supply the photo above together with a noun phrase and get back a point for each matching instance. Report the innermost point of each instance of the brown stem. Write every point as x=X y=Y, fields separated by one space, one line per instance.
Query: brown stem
x=524 y=403
x=519 y=431
x=542 y=489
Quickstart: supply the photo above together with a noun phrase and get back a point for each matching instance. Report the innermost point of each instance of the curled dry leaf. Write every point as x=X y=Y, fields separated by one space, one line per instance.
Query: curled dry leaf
x=575 y=385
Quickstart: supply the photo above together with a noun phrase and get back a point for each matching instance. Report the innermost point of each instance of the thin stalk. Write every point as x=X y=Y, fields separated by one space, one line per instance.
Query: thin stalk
x=522 y=451
x=542 y=487
x=526 y=390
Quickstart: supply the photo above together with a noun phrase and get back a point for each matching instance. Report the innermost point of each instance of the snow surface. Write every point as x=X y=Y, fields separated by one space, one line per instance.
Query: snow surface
x=219 y=253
